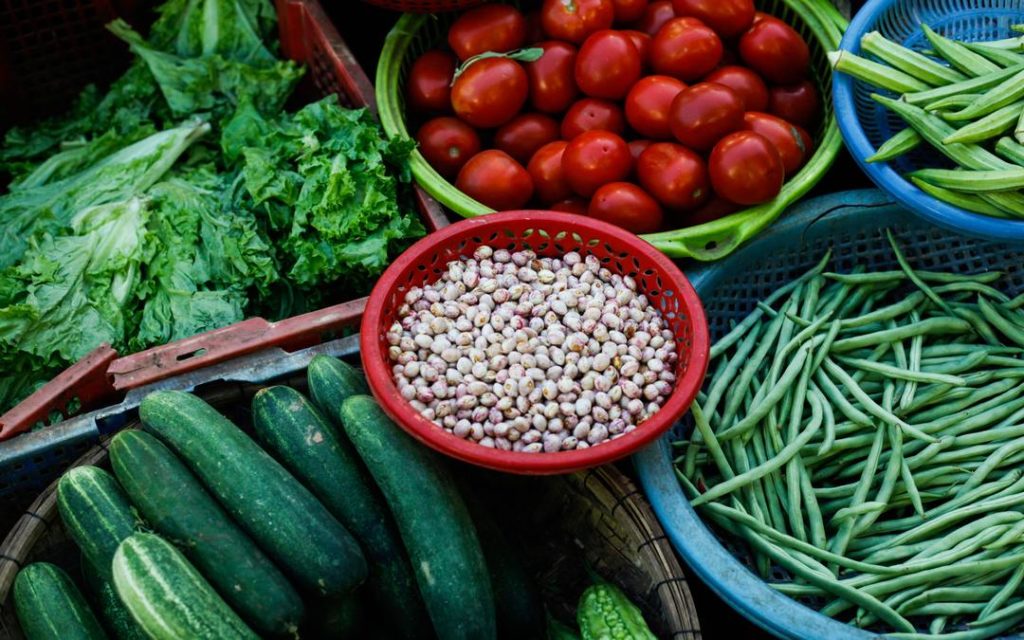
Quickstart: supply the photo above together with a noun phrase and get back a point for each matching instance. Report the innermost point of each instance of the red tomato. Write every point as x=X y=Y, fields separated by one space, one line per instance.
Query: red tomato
x=430 y=82
x=642 y=42
x=745 y=168
x=637 y=147
x=571 y=205
x=491 y=27
x=521 y=136
x=608 y=65
x=629 y=10
x=745 y=82
x=545 y=169
x=447 y=143
x=534 y=30
x=674 y=175
x=777 y=52
x=700 y=115
x=685 y=48
x=591 y=114
x=796 y=103
x=490 y=92
x=552 y=85
x=727 y=17
x=495 y=179
x=781 y=134
x=655 y=16
x=574 y=20
x=626 y=205
x=648 y=104
x=595 y=158
x=716 y=208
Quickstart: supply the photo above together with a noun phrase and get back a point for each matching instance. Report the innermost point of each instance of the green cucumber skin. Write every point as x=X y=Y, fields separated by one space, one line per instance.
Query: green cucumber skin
x=331 y=381
x=96 y=514
x=167 y=596
x=50 y=607
x=432 y=519
x=118 y=620
x=176 y=506
x=309 y=446
x=280 y=514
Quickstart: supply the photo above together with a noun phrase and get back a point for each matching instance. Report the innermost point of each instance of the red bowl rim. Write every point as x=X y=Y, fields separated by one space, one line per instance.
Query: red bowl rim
x=426 y=431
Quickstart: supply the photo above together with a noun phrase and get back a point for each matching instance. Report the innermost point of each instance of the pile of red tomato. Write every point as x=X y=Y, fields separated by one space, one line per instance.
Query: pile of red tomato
x=690 y=110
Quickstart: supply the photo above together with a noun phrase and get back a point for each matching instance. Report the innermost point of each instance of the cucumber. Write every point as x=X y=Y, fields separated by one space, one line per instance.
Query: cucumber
x=96 y=514
x=167 y=596
x=176 y=505
x=310 y=447
x=116 y=618
x=331 y=381
x=50 y=607
x=281 y=515
x=432 y=519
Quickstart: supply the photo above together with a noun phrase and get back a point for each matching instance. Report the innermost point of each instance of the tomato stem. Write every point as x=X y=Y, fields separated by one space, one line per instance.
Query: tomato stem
x=531 y=54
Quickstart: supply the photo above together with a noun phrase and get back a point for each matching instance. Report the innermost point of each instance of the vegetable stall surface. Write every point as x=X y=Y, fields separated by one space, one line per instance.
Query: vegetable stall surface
x=966 y=101
x=184 y=199
x=594 y=67
x=862 y=433
x=534 y=354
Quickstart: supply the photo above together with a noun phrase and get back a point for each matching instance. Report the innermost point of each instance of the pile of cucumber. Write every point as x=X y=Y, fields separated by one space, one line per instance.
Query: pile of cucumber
x=304 y=530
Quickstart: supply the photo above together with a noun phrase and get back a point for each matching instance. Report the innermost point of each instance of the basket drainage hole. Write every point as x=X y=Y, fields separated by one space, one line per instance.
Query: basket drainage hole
x=711 y=245
x=190 y=354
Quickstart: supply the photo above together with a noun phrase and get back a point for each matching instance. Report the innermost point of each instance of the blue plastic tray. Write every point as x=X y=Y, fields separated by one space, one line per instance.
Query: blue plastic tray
x=865 y=124
x=853 y=225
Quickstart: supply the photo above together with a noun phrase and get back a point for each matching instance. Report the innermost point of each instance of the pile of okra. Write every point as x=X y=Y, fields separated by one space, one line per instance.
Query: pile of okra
x=965 y=99
x=864 y=431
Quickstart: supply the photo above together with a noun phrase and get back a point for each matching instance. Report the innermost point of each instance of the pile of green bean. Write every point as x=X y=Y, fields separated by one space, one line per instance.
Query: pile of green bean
x=965 y=99
x=865 y=432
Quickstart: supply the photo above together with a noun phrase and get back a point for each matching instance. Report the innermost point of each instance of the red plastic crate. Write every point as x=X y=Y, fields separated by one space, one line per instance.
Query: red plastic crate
x=45 y=77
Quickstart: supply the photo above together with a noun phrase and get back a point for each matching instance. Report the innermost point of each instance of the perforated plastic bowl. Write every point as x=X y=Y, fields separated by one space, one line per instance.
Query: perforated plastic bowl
x=853 y=225
x=548 y=234
x=865 y=124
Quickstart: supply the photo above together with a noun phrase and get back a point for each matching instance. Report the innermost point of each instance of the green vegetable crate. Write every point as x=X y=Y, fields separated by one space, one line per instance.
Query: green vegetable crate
x=44 y=82
x=591 y=522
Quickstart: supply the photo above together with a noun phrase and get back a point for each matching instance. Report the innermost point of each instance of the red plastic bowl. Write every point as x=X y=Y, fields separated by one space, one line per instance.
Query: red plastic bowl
x=547 y=233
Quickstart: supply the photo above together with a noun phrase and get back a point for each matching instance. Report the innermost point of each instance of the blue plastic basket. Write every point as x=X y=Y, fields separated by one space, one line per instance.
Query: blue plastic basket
x=852 y=224
x=865 y=124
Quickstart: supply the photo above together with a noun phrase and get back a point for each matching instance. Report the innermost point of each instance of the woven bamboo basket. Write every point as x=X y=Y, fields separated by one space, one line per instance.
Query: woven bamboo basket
x=596 y=520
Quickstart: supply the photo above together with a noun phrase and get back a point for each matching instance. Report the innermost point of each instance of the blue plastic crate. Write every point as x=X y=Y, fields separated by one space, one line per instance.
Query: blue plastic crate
x=852 y=224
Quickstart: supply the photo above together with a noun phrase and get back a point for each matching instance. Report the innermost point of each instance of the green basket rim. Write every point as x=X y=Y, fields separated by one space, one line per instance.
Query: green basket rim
x=708 y=241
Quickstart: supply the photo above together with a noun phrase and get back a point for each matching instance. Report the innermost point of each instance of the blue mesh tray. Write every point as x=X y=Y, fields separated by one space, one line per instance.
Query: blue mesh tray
x=852 y=224
x=865 y=124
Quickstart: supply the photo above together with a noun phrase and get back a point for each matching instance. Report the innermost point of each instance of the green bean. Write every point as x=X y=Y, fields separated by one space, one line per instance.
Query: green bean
x=912 y=275
x=947 y=594
x=958 y=55
x=1014 y=612
x=898 y=145
x=845 y=513
x=973 y=397
x=750 y=368
x=947 y=609
x=833 y=394
x=771 y=398
x=928 y=326
x=886 y=370
x=842 y=538
x=887 y=277
x=795 y=467
x=937 y=625
x=976 y=633
x=1005 y=325
x=1002 y=594
x=990 y=463
x=772 y=490
x=711 y=442
x=977 y=321
x=721 y=382
x=973 y=287
x=908 y=304
x=977 y=416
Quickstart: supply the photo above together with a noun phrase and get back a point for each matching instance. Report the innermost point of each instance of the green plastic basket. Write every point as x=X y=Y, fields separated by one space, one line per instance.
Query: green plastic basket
x=816 y=20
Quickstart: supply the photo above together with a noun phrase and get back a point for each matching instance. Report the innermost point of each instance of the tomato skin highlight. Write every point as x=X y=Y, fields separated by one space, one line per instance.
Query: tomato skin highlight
x=648 y=105
x=545 y=170
x=784 y=137
x=592 y=114
x=655 y=16
x=447 y=144
x=593 y=159
x=628 y=10
x=490 y=92
x=746 y=168
x=490 y=27
x=575 y=205
x=552 y=84
x=428 y=89
x=495 y=179
x=685 y=48
x=642 y=42
x=728 y=18
x=626 y=205
x=607 y=65
x=675 y=176
x=776 y=51
x=574 y=20
x=746 y=83
x=523 y=135
x=796 y=103
x=702 y=114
